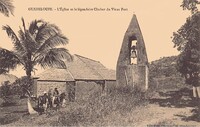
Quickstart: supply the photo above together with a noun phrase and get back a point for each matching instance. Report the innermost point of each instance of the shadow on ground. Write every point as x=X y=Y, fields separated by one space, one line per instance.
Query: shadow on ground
x=176 y=98
x=179 y=99
x=194 y=117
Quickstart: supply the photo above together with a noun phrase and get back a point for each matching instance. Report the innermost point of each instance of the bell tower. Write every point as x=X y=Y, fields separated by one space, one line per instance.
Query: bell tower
x=132 y=65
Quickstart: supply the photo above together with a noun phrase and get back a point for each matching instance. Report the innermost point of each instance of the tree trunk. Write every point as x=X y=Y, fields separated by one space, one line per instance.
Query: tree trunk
x=28 y=74
x=28 y=83
x=29 y=68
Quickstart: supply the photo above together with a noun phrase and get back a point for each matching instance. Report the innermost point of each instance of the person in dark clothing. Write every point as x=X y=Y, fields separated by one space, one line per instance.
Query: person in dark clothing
x=55 y=92
x=50 y=98
x=43 y=101
x=56 y=96
x=45 y=98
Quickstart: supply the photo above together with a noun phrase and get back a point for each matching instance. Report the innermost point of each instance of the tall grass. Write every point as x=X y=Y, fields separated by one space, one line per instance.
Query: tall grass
x=100 y=108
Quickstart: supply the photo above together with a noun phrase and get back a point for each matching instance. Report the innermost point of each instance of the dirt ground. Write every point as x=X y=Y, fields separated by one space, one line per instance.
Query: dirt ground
x=173 y=108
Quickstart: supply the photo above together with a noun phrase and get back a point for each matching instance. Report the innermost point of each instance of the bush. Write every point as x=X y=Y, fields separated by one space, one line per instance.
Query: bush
x=170 y=83
x=8 y=92
x=95 y=109
x=5 y=91
x=22 y=85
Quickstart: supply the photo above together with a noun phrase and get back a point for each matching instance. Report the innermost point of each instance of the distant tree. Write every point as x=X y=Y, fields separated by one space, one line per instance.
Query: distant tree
x=6 y=7
x=190 y=5
x=5 y=91
x=187 y=41
x=165 y=66
x=36 y=45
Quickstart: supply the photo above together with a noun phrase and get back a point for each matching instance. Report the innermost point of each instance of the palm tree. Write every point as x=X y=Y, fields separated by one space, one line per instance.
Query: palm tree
x=6 y=7
x=37 y=45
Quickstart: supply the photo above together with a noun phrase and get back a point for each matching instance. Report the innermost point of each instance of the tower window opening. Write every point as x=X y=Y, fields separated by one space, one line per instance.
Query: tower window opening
x=133 y=52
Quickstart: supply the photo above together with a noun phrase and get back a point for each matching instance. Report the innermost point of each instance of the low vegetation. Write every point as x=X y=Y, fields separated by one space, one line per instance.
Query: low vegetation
x=99 y=109
x=8 y=91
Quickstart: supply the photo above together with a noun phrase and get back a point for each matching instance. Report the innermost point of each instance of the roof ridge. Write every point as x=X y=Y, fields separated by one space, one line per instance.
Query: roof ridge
x=92 y=69
x=86 y=58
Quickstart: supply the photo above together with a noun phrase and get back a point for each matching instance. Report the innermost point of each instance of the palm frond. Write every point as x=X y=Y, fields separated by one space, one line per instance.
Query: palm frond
x=49 y=36
x=8 y=59
x=34 y=26
x=53 y=58
x=30 y=43
x=17 y=45
x=23 y=24
x=27 y=39
x=6 y=7
x=52 y=42
x=45 y=31
x=21 y=35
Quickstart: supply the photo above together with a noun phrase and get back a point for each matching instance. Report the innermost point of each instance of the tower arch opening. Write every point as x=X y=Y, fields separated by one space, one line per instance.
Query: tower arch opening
x=133 y=49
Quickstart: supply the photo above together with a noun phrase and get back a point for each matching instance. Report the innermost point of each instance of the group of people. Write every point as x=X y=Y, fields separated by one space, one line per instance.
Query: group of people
x=51 y=99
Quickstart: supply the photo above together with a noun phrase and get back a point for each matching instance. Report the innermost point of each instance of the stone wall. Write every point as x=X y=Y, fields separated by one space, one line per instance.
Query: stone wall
x=142 y=77
x=109 y=86
x=134 y=75
x=46 y=85
x=80 y=90
x=85 y=89
x=71 y=91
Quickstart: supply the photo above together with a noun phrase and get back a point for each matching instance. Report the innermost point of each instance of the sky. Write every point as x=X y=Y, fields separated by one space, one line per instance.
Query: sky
x=98 y=33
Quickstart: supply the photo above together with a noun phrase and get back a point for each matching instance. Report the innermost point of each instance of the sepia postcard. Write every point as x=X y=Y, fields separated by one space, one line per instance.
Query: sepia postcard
x=100 y=63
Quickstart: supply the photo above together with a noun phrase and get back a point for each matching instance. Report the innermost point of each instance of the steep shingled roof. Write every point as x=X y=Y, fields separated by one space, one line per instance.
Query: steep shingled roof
x=56 y=74
x=99 y=68
x=81 y=68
